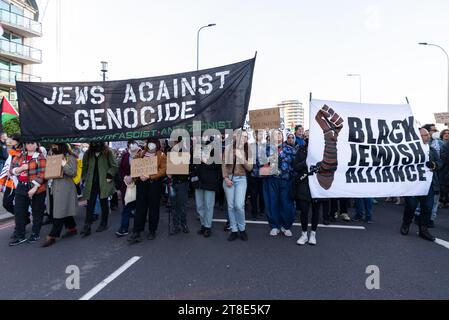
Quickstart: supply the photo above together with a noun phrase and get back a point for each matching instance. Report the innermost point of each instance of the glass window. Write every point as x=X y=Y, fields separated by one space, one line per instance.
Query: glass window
x=4 y=65
x=17 y=9
x=5 y=36
x=16 y=67
x=4 y=5
x=16 y=39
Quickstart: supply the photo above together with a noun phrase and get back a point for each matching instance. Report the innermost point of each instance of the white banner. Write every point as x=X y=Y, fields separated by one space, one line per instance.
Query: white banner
x=366 y=150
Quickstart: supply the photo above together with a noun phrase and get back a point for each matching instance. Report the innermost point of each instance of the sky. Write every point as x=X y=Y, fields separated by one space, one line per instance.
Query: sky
x=302 y=46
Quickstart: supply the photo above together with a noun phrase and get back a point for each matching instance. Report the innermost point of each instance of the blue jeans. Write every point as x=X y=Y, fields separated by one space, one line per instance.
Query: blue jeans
x=280 y=209
x=235 y=197
x=205 y=202
x=364 y=207
x=126 y=213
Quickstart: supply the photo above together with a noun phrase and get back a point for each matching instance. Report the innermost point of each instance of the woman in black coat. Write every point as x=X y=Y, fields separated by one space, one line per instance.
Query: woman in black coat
x=304 y=198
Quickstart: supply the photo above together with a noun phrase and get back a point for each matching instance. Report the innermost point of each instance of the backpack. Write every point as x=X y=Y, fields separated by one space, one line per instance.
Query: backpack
x=79 y=171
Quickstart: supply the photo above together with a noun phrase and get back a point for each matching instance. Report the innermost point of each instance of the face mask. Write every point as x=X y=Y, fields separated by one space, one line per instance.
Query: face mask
x=151 y=147
x=436 y=136
x=133 y=147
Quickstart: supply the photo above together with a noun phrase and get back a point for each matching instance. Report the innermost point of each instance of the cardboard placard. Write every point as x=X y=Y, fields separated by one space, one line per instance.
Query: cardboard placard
x=144 y=167
x=265 y=118
x=442 y=117
x=53 y=168
x=178 y=163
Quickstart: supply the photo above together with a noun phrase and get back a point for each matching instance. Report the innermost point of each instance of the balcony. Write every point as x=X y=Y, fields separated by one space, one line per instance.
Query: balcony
x=19 y=52
x=8 y=78
x=20 y=25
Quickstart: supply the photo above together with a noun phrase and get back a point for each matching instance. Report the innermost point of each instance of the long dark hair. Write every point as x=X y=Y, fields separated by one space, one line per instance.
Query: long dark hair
x=63 y=148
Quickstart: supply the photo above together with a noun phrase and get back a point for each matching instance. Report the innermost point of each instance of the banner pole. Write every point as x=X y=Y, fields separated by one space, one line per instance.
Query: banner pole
x=310 y=97
x=406 y=99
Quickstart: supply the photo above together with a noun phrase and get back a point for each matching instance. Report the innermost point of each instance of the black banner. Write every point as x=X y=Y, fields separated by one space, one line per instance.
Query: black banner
x=137 y=108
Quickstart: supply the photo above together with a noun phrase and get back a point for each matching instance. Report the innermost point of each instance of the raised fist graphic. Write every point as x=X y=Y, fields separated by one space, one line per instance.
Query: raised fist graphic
x=331 y=123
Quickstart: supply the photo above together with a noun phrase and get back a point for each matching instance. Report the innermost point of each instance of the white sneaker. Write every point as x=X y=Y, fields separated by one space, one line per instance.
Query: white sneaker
x=345 y=217
x=312 y=238
x=274 y=232
x=286 y=232
x=303 y=239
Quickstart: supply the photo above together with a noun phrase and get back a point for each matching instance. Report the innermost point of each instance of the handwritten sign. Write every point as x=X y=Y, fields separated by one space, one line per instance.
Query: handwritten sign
x=178 y=163
x=143 y=167
x=53 y=168
x=442 y=117
x=265 y=118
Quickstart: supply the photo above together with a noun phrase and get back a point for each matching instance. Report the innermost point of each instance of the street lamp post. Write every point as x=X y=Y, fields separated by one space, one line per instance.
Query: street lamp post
x=447 y=56
x=198 y=44
x=104 y=69
x=360 y=83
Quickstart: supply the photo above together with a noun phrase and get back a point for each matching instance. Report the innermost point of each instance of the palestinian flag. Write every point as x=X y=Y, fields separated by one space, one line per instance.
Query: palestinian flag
x=8 y=111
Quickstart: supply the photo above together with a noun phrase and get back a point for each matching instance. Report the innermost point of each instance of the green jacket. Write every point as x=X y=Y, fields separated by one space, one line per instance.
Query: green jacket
x=106 y=165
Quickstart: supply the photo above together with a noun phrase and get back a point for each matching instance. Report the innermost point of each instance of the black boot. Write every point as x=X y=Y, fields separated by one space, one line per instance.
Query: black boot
x=207 y=233
x=425 y=234
x=86 y=231
x=405 y=228
x=202 y=230
x=135 y=238
x=233 y=236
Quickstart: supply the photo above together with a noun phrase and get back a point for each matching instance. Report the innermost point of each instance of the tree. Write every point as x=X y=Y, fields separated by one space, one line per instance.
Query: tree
x=12 y=126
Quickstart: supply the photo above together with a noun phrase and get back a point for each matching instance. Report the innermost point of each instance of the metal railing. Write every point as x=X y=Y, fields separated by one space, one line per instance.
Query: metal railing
x=20 y=21
x=20 y=50
x=9 y=76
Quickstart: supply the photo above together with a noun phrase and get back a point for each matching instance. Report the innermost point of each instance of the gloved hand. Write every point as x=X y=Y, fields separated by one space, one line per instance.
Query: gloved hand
x=430 y=165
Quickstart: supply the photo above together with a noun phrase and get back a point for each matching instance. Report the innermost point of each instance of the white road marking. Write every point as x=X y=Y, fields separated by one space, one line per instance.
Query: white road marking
x=109 y=279
x=335 y=226
x=442 y=243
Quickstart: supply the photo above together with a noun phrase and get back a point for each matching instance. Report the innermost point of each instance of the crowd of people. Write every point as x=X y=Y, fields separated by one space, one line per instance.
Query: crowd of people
x=102 y=176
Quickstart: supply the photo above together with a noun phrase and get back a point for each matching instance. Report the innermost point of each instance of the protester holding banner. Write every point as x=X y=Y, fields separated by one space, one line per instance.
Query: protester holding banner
x=99 y=168
x=29 y=168
x=178 y=193
x=279 y=204
x=149 y=192
x=304 y=198
x=206 y=179
x=426 y=202
x=234 y=171
x=63 y=191
x=126 y=180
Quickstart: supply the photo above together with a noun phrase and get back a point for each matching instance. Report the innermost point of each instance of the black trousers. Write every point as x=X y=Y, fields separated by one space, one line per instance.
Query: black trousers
x=58 y=224
x=256 y=192
x=343 y=205
x=21 y=213
x=326 y=204
x=8 y=200
x=304 y=208
x=114 y=200
x=426 y=204
x=94 y=193
x=148 y=202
